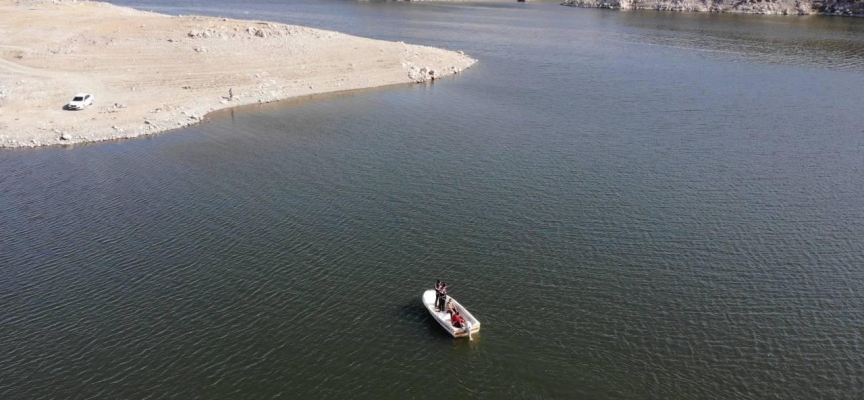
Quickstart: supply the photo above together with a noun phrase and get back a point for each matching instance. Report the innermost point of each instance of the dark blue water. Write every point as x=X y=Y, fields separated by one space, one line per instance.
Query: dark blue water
x=636 y=205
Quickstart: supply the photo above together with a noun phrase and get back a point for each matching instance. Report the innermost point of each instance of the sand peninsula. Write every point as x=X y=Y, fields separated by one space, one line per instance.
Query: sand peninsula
x=152 y=73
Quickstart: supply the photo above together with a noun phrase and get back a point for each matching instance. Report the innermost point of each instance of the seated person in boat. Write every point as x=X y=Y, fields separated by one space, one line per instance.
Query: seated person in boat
x=457 y=319
x=450 y=308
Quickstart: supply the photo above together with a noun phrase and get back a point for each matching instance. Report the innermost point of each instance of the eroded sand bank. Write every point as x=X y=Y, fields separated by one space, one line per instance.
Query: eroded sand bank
x=151 y=72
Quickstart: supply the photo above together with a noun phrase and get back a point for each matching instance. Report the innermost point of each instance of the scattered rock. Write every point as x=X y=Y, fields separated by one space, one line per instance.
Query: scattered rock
x=204 y=34
x=423 y=74
x=65 y=136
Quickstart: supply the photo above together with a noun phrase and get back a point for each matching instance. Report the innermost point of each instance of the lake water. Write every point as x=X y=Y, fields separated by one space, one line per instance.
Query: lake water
x=636 y=205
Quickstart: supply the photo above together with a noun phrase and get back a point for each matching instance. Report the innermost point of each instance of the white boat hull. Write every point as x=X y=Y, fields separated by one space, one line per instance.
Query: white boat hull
x=443 y=317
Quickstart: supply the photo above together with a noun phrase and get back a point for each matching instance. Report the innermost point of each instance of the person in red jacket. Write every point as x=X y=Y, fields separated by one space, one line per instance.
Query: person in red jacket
x=457 y=319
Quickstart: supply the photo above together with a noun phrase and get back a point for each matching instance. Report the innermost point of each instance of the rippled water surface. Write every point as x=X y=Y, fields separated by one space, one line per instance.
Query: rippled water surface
x=637 y=205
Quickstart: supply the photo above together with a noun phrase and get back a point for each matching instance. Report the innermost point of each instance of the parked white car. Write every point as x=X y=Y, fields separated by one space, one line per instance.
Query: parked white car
x=80 y=101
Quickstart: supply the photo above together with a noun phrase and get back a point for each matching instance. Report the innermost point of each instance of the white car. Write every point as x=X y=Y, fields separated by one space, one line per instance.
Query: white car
x=80 y=101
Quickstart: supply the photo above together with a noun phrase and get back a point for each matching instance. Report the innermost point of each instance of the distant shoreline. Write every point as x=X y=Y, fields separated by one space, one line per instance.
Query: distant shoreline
x=151 y=73
x=854 y=8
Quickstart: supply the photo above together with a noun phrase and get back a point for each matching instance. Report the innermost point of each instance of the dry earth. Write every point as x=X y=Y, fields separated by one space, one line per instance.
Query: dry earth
x=151 y=72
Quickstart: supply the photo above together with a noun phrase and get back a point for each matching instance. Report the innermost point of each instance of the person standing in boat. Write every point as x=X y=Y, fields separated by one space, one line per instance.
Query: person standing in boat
x=443 y=297
x=437 y=293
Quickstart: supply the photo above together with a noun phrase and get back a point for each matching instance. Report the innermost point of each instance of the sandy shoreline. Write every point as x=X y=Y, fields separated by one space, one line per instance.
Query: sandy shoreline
x=151 y=73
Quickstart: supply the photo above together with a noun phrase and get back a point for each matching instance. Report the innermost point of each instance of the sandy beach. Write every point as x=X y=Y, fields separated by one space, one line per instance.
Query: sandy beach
x=151 y=73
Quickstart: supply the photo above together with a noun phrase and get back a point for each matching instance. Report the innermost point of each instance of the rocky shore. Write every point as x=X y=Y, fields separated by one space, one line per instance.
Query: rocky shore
x=151 y=73
x=779 y=7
